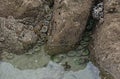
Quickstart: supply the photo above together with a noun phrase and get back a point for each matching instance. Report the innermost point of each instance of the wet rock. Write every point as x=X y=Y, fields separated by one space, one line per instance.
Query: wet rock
x=68 y=23
x=106 y=40
x=15 y=37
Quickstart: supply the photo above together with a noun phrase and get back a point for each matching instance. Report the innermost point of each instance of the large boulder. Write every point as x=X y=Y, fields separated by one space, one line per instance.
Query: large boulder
x=106 y=39
x=15 y=37
x=68 y=23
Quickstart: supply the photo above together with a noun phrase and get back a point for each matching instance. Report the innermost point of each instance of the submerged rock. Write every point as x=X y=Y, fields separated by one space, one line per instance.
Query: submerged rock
x=106 y=40
x=68 y=23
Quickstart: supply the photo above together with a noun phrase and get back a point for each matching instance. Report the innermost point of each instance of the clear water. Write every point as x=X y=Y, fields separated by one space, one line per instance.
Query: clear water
x=38 y=65
x=52 y=71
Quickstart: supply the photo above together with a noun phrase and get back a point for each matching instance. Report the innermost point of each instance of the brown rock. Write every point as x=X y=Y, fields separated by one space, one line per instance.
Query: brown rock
x=106 y=40
x=17 y=8
x=15 y=37
x=69 y=20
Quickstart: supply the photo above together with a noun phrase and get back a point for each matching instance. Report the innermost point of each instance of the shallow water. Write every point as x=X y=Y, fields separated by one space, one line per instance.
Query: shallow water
x=52 y=71
x=36 y=64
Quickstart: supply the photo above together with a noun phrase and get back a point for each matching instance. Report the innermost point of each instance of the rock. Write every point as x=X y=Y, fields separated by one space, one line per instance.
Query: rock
x=106 y=40
x=7 y=55
x=17 y=8
x=15 y=37
x=68 y=23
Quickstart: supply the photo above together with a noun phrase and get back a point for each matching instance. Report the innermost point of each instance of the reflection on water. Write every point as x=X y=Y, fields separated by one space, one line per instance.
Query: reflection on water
x=51 y=71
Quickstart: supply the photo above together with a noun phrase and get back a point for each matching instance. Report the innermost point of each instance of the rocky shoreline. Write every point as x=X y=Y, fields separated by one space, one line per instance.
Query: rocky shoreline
x=87 y=28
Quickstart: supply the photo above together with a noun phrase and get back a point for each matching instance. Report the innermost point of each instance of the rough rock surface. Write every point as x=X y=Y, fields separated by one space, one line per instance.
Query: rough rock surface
x=15 y=37
x=30 y=22
x=17 y=8
x=106 y=39
x=68 y=23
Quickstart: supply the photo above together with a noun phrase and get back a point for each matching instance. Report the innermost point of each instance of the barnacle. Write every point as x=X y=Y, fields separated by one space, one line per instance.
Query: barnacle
x=7 y=55
x=98 y=11
x=84 y=43
x=85 y=52
x=79 y=47
x=44 y=29
x=79 y=61
x=86 y=39
x=37 y=48
x=58 y=58
x=71 y=53
x=78 y=53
